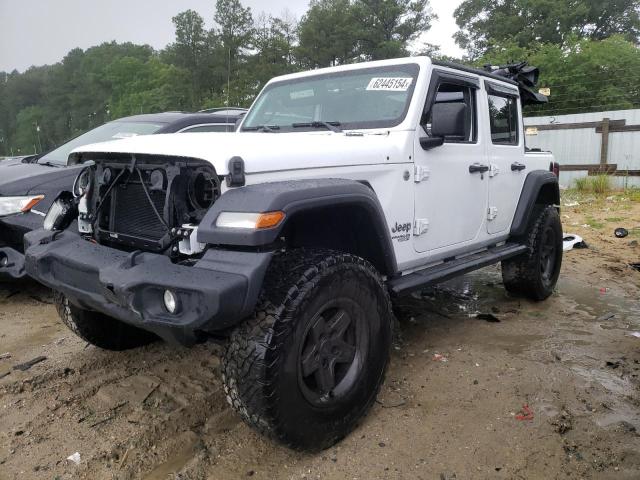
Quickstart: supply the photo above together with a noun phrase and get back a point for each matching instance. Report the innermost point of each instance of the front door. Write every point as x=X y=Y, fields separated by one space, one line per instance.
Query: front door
x=451 y=182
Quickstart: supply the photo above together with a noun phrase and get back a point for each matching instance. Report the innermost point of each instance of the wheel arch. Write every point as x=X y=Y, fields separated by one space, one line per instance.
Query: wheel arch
x=540 y=188
x=336 y=214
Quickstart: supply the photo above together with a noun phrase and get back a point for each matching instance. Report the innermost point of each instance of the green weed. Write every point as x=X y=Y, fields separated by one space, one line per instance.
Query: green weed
x=582 y=184
x=600 y=184
x=593 y=223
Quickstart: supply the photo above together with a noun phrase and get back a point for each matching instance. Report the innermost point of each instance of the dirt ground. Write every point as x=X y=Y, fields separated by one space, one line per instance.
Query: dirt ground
x=548 y=390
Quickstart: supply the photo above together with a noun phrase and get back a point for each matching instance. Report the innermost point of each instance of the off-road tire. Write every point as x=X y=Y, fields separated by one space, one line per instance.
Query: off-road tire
x=100 y=330
x=530 y=274
x=263 y=369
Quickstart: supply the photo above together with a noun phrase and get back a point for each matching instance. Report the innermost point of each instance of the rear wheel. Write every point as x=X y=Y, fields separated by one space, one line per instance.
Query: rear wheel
x=535 y=273
x=309 y=363
x=100 y=330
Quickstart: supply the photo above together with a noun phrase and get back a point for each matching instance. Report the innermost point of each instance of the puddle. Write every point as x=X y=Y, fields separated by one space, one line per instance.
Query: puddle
x=619 y=415
x=598 y=304
x=461 y=297
x=609 y=380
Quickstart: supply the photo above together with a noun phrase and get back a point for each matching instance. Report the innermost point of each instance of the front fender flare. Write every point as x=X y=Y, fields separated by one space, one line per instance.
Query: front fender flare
x=293 y=197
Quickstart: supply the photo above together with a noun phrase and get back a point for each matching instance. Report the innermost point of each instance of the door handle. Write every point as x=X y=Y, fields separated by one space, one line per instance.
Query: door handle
x=516 y=167
x=478 y=168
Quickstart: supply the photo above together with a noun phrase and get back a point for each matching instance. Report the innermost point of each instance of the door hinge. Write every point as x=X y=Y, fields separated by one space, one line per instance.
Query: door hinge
x=421 y=226
x=492 y=213
x=420 y=174
x=493 y=170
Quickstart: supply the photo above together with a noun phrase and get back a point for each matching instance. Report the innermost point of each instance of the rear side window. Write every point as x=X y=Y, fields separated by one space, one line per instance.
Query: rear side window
x=503 y=117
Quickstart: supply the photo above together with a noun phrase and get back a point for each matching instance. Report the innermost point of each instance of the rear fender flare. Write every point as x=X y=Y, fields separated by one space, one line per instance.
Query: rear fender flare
x=541 y=187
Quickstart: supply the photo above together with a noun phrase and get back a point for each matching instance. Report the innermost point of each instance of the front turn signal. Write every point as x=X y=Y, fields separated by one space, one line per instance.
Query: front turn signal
x=250 y=221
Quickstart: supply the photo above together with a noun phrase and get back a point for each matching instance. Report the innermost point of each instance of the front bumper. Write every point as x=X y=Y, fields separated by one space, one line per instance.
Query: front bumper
x=11 y=264
x=218 y=291
x=12 y=230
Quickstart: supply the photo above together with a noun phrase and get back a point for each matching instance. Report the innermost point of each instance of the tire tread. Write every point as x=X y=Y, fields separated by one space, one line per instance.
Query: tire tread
x=251 y=360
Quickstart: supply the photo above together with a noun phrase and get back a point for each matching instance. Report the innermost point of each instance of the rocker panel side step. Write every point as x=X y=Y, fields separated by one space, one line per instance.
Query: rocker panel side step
x=453 y=268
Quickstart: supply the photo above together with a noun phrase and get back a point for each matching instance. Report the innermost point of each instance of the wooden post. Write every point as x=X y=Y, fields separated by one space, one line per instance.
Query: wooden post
x=604 y=146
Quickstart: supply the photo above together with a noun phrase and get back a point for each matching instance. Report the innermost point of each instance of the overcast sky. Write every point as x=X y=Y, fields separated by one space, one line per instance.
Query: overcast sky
x=38 y=32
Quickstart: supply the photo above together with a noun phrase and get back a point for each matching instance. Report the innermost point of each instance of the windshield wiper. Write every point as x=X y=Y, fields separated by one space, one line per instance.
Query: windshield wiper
x=262 y=128
x=333 y=126
x=49 y=164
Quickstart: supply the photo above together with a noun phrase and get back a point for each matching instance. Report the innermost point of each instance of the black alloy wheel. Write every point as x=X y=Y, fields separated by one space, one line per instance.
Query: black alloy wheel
x=333 y=352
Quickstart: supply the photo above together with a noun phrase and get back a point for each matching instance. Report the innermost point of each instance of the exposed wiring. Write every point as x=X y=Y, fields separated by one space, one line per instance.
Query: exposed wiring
x=106 y=194
x=153 y=206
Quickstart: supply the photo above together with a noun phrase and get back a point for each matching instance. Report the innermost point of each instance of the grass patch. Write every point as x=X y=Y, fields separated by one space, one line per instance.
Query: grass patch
x=582 y=184
x=632 y=194
x=600 y=184
x=614 y=219
x=593 y=223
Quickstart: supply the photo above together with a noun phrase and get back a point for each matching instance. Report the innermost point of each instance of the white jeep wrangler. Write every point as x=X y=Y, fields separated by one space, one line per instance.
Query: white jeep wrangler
x=342 y=189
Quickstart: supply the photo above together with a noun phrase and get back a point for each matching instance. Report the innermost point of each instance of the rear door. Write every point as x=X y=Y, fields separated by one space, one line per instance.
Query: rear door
x=450 y=201
x=505 y=152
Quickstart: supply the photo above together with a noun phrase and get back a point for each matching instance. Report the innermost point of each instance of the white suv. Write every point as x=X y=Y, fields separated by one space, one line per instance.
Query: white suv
x=342 y=189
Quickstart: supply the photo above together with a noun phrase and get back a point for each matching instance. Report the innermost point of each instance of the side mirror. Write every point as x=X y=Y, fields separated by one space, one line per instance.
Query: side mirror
x=427 y=143
x=447 y=120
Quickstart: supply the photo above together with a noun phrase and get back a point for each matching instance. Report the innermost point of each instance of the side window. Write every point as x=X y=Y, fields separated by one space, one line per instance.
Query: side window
x=220 y=127
x=455 y=100
x=503 y=118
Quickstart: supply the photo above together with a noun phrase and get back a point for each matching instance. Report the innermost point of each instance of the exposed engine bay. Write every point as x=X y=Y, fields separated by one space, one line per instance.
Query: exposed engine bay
x=141 y=202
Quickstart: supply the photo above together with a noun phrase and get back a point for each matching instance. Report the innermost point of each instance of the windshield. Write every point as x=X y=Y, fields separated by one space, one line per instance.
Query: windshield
x=361 y=98
x=108 y=131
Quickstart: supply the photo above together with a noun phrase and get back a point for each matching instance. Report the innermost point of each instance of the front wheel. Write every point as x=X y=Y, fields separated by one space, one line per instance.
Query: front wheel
x=310 y=362
x=535 y=273
x=100 y=330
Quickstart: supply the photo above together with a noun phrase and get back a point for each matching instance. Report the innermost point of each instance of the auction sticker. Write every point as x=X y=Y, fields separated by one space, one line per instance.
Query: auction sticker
x=297 y=95
x=396 y=84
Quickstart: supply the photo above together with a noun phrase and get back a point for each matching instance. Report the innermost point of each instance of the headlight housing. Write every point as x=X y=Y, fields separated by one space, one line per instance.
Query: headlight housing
x=249 y=221
x=13 y=205
x=82 y=182
x=61 y=213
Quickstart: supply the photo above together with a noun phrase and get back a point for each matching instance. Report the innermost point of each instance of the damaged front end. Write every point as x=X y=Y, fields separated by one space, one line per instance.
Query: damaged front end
x=136 y=245
x=144 y=202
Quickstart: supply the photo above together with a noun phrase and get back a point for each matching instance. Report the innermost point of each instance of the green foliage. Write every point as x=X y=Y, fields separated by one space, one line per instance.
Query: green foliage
x=485 y=24
x=387 y=26
x=146 y=87
x=64 y=99
x=28 y=121
x=593 y=223
x=600 y=184
x=190 y=52
x=327 y=34
x=582 y=184
x=225 y=65
x=584 y=75
x=335 y=32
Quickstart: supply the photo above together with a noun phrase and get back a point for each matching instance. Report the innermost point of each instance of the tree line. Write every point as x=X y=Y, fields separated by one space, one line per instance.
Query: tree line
x=586 y=50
